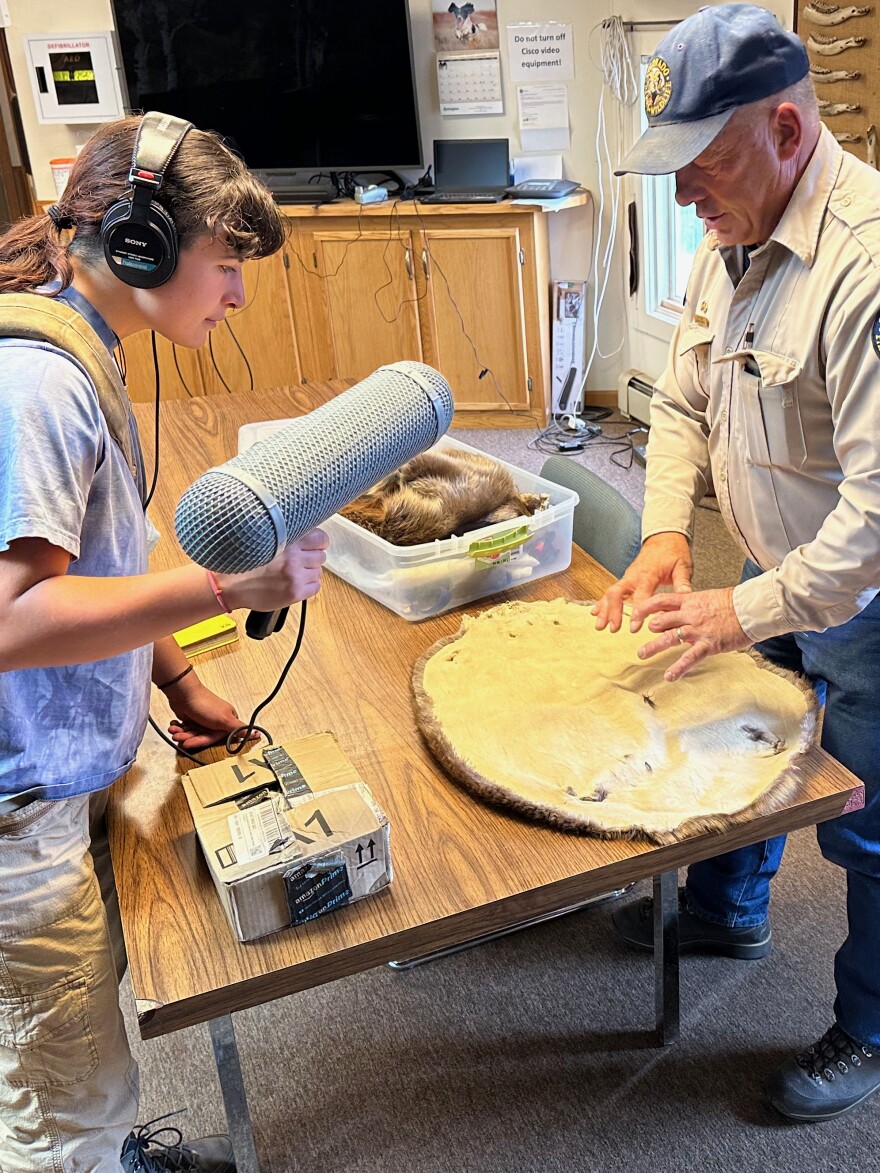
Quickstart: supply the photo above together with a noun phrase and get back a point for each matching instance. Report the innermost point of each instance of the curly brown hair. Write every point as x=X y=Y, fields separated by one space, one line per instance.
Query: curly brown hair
x=206 y=189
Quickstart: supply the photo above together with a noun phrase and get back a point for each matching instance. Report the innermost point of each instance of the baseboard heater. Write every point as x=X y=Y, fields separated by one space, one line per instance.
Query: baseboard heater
x=634 y=391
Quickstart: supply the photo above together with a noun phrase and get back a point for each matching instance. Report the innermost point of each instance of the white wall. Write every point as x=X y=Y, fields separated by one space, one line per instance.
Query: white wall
x=571 y=232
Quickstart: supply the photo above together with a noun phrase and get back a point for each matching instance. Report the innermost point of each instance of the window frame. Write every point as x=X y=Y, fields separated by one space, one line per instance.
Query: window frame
x=656 y=312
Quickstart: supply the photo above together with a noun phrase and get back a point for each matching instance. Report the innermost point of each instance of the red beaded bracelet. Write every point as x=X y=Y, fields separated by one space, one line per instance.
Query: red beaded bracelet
x=219 y=594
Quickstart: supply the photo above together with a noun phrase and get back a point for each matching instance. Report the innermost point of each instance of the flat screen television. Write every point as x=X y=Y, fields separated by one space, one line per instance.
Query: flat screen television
x=318 y=85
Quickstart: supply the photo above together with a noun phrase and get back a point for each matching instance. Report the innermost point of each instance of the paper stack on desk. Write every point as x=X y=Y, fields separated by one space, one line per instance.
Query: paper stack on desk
x=286 y=848
x=211 y=633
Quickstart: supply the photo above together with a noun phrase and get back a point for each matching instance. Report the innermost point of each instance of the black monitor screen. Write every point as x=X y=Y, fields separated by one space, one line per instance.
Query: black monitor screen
x=311 y=84
x=475 y=162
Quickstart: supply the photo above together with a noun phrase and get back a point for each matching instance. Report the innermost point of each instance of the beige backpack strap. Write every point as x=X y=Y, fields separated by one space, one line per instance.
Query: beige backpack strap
x=44 y=319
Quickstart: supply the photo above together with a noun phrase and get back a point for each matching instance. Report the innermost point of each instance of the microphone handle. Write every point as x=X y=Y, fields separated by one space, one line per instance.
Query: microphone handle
x=261 y=624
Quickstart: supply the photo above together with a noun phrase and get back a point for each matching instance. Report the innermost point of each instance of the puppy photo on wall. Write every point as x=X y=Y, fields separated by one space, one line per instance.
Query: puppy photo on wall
x=466 y=25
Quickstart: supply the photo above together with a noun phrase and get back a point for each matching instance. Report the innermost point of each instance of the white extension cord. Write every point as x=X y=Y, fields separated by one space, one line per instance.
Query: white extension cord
x=618 y=78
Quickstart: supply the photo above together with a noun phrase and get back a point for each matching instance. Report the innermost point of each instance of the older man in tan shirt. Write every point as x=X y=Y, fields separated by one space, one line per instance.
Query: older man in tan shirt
x=772 y=396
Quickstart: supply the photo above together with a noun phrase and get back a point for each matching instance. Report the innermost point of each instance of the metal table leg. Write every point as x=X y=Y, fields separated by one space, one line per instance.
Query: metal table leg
x=666 y=994
x=238 y=1118
x=472 y=942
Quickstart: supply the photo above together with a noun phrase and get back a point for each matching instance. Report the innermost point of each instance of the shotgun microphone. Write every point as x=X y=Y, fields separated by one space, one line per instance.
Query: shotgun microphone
x=241 y=514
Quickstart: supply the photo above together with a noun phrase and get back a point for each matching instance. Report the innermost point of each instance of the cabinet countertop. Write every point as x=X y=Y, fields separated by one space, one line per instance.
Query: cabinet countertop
x=413 y=208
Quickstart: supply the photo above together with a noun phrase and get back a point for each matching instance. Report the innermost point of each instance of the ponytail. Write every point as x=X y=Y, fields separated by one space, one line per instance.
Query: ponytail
x=33 y=252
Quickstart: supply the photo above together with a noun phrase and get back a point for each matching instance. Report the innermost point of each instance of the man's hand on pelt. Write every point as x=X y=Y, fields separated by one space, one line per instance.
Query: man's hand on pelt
x=703 y=623
x=664 y=559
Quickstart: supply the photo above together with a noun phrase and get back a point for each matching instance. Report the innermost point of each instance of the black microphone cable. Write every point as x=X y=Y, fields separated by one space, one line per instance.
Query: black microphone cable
x=190 y=393
x=251 y=726
x=235 y=747
x=152 y=490
x=228 y=326
x=248 y=729
x=216 y=368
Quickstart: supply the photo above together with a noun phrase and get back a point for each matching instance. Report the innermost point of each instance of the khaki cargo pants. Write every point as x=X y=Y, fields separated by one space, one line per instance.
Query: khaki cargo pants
x=68 y=1083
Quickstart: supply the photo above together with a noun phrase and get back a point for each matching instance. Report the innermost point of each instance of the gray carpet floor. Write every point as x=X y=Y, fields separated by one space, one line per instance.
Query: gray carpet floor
x=533 y=1054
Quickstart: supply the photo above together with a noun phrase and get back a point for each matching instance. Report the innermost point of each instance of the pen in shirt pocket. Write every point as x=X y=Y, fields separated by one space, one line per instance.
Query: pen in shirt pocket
x=750 y=363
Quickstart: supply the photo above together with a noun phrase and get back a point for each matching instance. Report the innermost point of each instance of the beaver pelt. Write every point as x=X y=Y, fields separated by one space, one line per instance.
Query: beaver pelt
x=438 y=494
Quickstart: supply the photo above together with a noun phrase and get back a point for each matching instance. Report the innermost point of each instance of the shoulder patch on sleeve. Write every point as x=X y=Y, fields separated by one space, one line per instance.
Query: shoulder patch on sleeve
x=875 y=335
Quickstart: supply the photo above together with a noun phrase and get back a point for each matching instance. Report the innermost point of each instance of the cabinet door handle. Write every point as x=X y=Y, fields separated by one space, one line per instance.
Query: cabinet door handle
x=425 y=263
x=408 y=263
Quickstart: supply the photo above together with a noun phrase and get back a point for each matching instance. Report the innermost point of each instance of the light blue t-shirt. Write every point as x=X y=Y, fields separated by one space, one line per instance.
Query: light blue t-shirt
x=73 y=729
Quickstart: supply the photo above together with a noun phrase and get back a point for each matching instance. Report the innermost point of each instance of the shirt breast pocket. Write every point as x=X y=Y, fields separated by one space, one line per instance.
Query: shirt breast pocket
x=695 y=346
x=769 y=409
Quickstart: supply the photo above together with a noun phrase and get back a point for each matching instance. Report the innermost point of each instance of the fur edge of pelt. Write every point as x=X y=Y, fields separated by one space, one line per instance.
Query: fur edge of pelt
x=776 y=796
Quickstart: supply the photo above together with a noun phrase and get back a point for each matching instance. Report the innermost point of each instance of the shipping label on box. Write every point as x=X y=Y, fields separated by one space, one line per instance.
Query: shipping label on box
x=278 y=861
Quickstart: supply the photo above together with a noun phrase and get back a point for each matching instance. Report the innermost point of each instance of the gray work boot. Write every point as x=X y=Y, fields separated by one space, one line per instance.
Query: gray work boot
x=145 y=1152
x=829 y=1078
x=635 y=923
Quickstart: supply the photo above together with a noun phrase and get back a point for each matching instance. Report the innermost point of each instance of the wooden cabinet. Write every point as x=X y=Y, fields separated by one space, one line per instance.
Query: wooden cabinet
x=465 y=288
x=476 y=331
x=260 y=335
x=369 y=306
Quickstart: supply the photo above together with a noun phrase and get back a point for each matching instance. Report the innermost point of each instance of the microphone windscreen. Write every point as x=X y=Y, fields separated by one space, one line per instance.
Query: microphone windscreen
x=239 y=515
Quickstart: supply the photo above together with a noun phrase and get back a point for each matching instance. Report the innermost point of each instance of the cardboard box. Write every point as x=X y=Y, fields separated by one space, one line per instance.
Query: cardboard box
x=569 y=314
x=285 y=848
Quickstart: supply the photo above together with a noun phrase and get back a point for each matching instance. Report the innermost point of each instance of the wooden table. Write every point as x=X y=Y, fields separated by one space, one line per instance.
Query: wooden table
x=462 y=868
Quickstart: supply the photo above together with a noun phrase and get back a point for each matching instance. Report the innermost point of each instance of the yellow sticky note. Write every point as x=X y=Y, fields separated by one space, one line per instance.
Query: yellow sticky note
x=210 y=633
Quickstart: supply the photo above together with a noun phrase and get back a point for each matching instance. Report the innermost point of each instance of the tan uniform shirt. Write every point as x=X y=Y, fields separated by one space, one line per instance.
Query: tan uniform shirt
x=772 y=395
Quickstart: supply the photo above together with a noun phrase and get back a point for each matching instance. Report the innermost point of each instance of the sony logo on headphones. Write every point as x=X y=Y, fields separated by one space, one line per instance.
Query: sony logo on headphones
x=139 y=243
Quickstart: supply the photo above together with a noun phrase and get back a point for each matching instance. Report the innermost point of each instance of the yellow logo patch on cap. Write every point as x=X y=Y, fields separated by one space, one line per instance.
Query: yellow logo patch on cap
x=658 y=87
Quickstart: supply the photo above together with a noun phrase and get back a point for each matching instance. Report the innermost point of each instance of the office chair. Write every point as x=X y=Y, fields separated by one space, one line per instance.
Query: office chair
x=607 y=527
x=605 y=524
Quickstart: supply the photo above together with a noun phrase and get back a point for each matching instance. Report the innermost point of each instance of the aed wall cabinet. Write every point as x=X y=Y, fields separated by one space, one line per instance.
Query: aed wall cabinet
x=465 y=288
x=74 y=77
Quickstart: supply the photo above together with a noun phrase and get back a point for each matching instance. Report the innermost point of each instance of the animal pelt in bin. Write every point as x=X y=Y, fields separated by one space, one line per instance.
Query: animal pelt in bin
x=438 y=494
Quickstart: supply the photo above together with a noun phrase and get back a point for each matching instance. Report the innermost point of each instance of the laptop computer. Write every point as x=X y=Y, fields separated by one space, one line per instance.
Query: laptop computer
x=470 y=171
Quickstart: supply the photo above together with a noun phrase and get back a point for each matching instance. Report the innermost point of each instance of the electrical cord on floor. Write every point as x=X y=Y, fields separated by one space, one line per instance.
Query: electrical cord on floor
x=593 y=414
x=549 y=439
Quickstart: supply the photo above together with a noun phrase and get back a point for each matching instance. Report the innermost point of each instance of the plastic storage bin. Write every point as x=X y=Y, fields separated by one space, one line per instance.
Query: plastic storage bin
x=417 y=582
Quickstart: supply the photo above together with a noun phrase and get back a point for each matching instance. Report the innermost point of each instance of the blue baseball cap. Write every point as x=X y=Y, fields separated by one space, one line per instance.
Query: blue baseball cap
x=702 y=71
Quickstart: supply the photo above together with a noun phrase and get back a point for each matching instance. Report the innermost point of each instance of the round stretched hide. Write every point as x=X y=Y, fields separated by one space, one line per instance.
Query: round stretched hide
x=529 y=706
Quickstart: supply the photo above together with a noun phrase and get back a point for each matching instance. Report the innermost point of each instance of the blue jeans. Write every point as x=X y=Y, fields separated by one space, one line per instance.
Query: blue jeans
x=734 y=889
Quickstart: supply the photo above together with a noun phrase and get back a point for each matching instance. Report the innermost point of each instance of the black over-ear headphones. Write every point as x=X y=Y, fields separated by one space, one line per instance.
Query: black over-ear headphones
x=138 y=235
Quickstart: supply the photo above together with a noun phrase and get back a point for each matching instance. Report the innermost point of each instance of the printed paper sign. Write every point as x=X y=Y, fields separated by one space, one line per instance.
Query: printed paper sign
x=542 y=107
x=540 y=52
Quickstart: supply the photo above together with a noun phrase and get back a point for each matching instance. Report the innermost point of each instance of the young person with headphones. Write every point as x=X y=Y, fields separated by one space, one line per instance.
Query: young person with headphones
x=150 y=234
